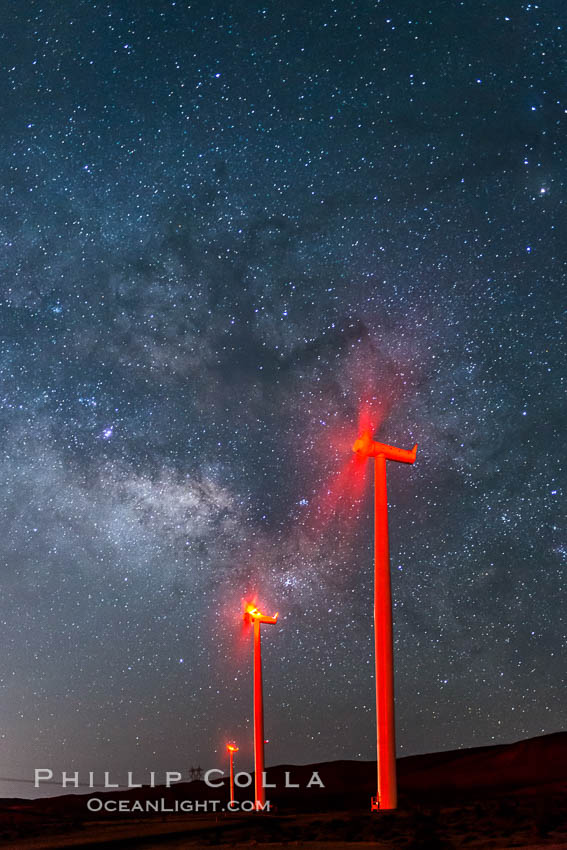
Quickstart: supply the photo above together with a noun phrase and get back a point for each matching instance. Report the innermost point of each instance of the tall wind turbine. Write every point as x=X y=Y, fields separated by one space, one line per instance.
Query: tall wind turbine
x=365 y=447
x=252 y=615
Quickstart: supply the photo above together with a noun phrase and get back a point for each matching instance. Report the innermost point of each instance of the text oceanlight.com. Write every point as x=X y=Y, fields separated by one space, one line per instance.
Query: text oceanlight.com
x=96 y=804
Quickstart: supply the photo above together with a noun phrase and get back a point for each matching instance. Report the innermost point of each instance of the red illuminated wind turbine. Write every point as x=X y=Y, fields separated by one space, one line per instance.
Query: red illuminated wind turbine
x=232 y=750
x=365 y=447
x=252 y=615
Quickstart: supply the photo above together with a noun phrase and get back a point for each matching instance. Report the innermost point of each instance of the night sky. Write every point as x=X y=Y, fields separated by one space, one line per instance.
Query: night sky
x=227 y=229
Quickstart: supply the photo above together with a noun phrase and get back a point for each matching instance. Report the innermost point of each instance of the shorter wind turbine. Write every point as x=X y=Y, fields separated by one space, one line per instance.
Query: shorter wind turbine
x=232 y=750
x=252 y=615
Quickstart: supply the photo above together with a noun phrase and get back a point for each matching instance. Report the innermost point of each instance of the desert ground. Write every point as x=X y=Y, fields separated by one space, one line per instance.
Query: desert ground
x=490 y=798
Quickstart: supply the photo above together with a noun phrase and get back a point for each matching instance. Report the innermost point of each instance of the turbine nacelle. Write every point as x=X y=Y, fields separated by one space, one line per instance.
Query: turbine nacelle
x=365 y=446
x=231 y=748
x=251 y=613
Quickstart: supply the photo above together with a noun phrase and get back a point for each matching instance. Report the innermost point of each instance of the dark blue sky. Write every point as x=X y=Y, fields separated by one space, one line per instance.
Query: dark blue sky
x=226 y=226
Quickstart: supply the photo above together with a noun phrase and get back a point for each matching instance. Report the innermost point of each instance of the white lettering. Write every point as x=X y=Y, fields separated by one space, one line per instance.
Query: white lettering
x=315 y=780
x=130 y=783
x=208 y=780
x=72 y=779
x=47 y=774
x=289 y=784
x=267 y=784
x=107 y=782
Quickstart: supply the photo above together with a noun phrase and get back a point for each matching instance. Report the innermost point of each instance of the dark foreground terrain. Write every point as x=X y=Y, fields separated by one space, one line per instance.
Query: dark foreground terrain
x=492 y=797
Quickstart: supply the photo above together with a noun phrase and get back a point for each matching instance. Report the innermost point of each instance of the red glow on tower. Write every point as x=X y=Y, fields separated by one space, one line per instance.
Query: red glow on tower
x=365 y=447
x=253 y=615
x=340 y=496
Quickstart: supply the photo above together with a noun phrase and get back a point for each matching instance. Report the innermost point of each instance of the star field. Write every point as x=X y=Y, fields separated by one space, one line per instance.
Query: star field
x=225 y=227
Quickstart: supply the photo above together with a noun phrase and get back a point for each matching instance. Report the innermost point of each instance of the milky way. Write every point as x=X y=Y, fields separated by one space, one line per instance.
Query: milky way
x=225 y=228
